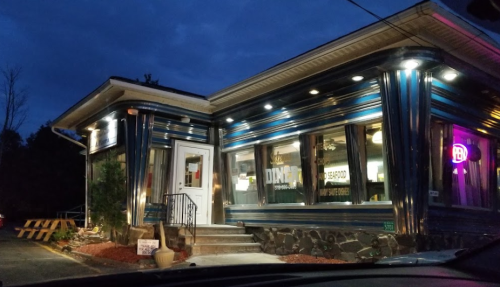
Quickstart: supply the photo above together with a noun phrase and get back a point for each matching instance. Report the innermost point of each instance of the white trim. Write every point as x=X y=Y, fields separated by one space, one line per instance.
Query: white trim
x=174 y=166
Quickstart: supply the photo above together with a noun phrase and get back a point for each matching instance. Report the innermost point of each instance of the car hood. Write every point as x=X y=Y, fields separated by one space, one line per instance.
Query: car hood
x=422 y=258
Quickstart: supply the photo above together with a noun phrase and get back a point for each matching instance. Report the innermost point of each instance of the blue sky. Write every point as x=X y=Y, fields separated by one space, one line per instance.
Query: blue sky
x=68 y=48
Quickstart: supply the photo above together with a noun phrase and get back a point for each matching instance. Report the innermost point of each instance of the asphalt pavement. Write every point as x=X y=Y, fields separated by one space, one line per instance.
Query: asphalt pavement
x=25 y=261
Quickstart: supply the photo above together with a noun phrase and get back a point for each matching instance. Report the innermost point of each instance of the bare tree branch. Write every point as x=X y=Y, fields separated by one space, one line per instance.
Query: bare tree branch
x=14 y=103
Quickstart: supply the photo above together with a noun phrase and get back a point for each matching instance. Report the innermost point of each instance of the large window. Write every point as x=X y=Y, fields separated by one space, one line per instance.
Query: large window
x=460 y=160
x=157 y=175
x=470 y=175
x=242 y=177
x=375 y=167
x=332 y=167
x=283 y=172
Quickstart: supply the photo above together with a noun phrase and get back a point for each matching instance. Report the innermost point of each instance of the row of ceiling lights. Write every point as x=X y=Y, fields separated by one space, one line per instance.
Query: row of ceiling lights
x=408 y=65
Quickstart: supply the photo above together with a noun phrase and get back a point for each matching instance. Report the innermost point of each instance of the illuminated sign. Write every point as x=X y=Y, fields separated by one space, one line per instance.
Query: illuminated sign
x=459 y=153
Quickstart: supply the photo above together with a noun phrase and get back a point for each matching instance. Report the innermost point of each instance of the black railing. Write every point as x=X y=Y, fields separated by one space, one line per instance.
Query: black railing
x=76 y=213
x=181 y=210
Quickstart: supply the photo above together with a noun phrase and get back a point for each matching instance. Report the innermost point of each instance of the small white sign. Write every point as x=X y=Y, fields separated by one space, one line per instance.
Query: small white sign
x=193 y=167
x=433 y=193
x=146 y=246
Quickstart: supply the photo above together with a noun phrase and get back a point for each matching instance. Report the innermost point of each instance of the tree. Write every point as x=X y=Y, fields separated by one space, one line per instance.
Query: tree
x=14 y=104
x=148 y=80
x=108 y=193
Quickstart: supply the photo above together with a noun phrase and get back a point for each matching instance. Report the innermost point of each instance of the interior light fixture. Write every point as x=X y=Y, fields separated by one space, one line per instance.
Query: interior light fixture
x=268 y=107
x=229 y=120
x=313 y=92
x=410 y=64
x=90 y=128
x=377 y=137
x=357 y=78
x=296 y=144
x=108 y=118
x=450 y=76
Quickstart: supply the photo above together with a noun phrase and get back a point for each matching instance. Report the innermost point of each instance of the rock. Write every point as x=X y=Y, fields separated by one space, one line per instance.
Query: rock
x=270 y=248
x=316 y=252
x=349 y=236
x=386 y=251
x=134 y=235
x=340 y=238
x=333 y=251
x=348 y=256
x=365 y=238
x=150 y=232
x=280 y=239
x=306 y=245
x=284 y=230
x=368 y=252
x=383 y=240
x=351 y=246
x=289 y=242
x=314 y=234
x=281 y=251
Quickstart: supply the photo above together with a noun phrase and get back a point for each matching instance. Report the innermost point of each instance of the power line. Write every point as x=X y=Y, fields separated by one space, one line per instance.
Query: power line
x=399 y=29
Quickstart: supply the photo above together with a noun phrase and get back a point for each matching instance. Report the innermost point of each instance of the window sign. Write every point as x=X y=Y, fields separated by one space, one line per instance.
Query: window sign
x=146 y=246
x=459 y=153
x=332 y=167
x=283 y=173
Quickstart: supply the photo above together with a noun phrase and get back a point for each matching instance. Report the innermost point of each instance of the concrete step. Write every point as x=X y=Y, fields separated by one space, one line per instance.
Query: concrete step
x=219 y=238
x=219 y=248
x=214 y=229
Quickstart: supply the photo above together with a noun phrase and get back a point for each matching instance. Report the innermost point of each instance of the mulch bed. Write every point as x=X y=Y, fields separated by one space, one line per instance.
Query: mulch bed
x=302 y=258
x=127 y=254
x=122 y=253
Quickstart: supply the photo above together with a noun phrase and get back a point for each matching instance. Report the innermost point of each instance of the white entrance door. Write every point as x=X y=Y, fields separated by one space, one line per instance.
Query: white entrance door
x=192 y=175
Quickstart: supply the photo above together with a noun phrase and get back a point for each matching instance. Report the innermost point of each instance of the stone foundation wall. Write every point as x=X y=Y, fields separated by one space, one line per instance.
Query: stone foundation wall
x=355 y=246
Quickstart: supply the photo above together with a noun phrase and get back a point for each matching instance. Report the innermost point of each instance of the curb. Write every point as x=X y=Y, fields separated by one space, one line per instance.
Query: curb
x=100 y=260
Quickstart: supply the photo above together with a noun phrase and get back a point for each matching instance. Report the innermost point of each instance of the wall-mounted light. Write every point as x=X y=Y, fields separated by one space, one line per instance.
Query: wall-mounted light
x=450 y=76
x=268 y=107
x=377 y=137
x=313 y=92
x=410 y=64
x=357 y=78
x=229 y=120
x=133 y=112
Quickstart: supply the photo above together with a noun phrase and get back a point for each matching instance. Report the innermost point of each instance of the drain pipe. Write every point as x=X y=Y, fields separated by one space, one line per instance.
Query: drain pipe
x=86 y=168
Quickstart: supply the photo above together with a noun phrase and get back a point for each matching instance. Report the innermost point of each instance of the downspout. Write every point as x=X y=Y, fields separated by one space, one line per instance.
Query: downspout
x=86 y=168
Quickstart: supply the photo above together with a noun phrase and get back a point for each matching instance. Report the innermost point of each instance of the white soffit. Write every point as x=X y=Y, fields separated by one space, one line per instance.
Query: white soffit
x=428 y=21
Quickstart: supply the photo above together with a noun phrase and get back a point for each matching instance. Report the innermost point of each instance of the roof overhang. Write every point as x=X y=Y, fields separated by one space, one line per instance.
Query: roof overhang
x=114 y=91
x=425 y=24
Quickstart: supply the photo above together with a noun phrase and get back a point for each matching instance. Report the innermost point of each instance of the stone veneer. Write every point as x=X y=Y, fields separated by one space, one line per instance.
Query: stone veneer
x=355 y=246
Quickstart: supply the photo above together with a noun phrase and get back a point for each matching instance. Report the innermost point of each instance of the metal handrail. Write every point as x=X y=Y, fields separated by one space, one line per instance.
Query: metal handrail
x=181 y=210
x=78 y=213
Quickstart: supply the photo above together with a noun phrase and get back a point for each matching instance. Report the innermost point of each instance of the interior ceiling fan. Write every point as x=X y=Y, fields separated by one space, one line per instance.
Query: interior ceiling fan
x=332 y=144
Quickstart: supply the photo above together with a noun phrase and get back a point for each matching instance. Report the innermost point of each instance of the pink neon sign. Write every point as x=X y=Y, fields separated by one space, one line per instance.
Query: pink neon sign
x=459 y=153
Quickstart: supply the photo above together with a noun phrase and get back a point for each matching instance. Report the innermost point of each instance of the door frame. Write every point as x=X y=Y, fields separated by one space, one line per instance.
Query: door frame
x=210 y=162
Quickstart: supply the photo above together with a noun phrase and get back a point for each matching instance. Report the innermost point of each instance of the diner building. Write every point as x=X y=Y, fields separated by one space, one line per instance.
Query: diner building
x=386 y=136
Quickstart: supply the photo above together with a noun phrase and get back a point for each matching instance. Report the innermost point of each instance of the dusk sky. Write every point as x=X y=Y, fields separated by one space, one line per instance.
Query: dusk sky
x=68 y=48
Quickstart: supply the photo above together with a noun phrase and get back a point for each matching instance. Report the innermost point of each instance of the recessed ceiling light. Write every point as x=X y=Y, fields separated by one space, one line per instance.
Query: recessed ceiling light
x=410 y=64
x=357 y=78
x=108 y=119
x=450 y=76
x=268 y=107
x=377 y=137
x=313 y=92
x=229 y=120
